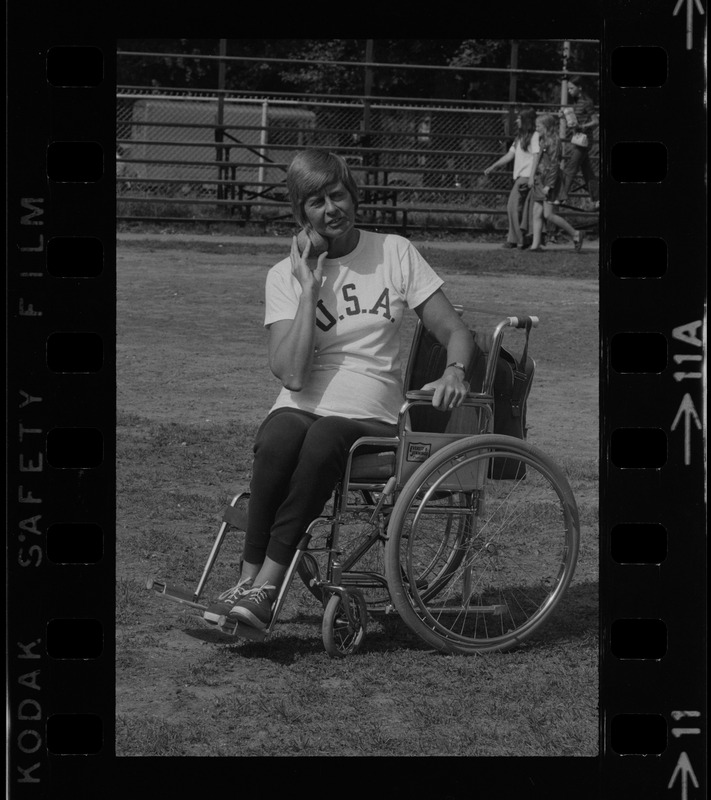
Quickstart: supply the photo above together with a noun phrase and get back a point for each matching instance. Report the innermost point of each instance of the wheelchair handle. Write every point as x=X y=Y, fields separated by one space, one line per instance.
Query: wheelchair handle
x=521 y=322
x=525 y=321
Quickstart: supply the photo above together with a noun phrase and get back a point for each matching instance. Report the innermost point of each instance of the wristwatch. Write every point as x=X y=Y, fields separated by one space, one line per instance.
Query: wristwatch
x=457 y=365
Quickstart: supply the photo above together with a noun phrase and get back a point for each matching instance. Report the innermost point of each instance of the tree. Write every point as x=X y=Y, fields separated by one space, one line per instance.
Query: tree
x=531 y=88
x=304 y=66
x=157 y=66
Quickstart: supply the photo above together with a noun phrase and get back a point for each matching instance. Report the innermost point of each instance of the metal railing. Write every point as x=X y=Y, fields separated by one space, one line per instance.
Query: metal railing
x=186 y=155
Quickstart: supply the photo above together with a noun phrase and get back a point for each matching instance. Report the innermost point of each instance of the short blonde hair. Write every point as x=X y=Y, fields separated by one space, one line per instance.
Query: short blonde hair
x=549 y=121
x=311 y=171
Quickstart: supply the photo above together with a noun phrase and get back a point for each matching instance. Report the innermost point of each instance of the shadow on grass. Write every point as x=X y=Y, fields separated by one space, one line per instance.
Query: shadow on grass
x=576 y=619
x=386 y=633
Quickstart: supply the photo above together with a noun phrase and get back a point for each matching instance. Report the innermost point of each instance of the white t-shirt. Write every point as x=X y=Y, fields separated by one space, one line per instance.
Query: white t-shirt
x=356 y=371
x=523 y=159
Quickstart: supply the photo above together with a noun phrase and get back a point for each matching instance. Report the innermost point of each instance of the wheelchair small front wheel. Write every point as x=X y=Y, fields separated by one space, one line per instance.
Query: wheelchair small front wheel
x=344 y=623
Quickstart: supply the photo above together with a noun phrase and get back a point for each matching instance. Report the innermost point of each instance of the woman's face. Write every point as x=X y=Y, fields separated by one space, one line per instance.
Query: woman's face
x=540 y=127
x=331 y=211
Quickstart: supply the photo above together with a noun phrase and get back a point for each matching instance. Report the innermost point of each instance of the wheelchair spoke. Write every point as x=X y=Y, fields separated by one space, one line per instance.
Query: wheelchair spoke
x=344 y=624
x=501 y=555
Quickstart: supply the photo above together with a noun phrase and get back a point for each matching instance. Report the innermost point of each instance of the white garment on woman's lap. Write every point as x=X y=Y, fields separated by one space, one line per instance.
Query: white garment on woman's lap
x=356 y=370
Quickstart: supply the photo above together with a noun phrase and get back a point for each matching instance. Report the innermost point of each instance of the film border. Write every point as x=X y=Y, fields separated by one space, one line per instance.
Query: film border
x=672 y=687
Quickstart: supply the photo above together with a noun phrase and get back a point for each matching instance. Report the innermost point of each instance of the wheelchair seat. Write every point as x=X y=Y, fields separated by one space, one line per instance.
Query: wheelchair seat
x=375 y=467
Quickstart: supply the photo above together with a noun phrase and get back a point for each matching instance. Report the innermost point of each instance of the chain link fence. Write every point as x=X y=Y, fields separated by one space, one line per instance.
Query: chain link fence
x=188 y=156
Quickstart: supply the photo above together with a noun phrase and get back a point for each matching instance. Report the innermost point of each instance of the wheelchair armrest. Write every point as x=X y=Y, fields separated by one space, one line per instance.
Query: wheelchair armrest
x=425 y=395
x=419 y=394
x=459 y=417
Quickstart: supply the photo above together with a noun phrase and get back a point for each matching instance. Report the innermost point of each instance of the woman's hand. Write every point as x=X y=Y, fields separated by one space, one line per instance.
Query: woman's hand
x=449 y=390
x=307 y=271
x=445 y=324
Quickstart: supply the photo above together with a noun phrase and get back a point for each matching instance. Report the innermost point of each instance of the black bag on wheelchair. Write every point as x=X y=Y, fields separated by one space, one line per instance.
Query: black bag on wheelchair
x=512 y=385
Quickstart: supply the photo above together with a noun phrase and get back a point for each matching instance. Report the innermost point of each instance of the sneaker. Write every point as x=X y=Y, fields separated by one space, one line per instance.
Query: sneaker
x=255 y=609
x=578 y=241
x=226 y=601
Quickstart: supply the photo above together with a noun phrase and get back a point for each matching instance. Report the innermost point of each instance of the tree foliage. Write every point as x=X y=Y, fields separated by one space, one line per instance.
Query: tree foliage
x=306 y=66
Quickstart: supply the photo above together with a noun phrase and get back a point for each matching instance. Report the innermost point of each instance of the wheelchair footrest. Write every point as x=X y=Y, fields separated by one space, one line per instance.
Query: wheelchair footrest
x=232 y=628
x=175 y=593
x=498 y=609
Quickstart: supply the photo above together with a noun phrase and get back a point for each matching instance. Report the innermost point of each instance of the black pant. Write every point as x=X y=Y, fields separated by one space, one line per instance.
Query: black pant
x=298 y=460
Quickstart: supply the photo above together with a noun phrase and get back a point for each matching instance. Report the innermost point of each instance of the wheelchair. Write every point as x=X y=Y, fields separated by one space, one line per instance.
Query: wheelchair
x=470 y=536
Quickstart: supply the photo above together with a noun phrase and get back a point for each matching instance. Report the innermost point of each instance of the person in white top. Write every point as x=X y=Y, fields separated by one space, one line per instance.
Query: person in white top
x=522 y=152
x=334 y=343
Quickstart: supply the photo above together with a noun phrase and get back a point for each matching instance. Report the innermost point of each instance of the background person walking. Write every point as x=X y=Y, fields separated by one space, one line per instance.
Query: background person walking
x=584 y=120
x=522 y=153
x=546 y=183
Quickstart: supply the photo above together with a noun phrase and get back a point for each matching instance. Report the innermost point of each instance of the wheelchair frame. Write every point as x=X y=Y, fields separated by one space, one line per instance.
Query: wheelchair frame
x=427 y=513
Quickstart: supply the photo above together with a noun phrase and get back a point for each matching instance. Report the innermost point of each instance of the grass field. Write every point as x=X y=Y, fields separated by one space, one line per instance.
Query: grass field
x=193 y=385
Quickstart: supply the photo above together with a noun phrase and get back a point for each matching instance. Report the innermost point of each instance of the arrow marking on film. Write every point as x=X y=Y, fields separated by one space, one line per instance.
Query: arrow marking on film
x=689 y=17
x=677 y=715
x=683 y=766
x=687 y=410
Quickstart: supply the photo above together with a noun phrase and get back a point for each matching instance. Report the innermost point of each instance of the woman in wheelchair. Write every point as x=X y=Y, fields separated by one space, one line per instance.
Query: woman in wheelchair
x=334 y=343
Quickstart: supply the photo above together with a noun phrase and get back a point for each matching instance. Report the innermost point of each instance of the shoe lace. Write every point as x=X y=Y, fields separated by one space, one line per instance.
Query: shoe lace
x=236 y=592
x=259 y=593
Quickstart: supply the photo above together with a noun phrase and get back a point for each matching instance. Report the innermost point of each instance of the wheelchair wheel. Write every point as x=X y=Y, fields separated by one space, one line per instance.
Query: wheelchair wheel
x=435 y=567
x=341 y=635
x=482 y=571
